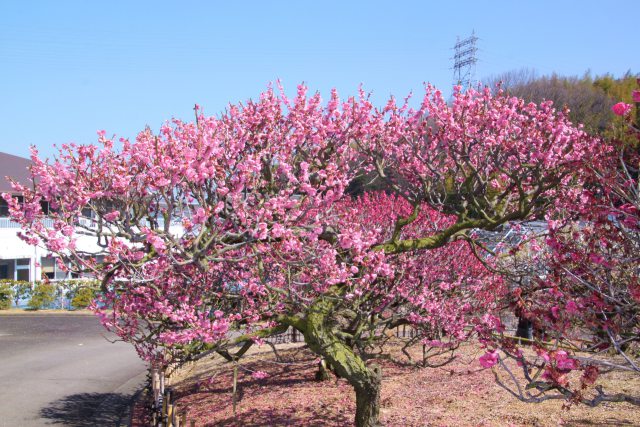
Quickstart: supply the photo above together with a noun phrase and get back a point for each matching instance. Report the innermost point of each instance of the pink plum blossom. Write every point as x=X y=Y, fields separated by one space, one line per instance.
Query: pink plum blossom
x=111 y=216
x=259 y=375
x=621 y=109
x=489 y=359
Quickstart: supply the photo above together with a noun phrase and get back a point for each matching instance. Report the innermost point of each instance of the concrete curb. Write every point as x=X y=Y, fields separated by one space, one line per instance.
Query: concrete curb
x=133 y=387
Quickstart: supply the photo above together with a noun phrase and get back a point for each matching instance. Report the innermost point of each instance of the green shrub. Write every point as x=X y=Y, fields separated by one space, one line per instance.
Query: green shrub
x=42 y=296
x=6 y=296
x=83 y=297
x=21 y=290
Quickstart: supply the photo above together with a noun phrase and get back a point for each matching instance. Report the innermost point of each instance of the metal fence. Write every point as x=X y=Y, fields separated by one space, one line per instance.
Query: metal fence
x=6 y=222
x=290 y=336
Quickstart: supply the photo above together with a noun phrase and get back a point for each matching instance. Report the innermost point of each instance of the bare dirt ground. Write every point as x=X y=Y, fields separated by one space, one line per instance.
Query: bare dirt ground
x=459 y=394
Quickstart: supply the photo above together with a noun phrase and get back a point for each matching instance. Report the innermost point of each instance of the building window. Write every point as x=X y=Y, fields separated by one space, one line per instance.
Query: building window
x=48 y=266
x=51 y=270
x=22 y=274
x=7 y=269
x=87 y=213
x=4 y=208
x=23 y=269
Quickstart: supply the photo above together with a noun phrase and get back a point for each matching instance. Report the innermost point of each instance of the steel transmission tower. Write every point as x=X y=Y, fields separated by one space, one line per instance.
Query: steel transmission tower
x=464 y=65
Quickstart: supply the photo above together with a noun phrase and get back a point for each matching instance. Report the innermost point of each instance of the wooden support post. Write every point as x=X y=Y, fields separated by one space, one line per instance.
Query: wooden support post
x=235 y=385
x=155 y=385
x=163 y=414
x=171 y=415
x=168 y=396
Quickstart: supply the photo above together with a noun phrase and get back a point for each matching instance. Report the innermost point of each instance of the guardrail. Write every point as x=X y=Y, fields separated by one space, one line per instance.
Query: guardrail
x=6 y=222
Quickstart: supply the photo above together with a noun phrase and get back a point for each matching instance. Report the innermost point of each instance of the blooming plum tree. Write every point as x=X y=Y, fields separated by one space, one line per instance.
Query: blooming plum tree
x=588 y=287
x=228 y=229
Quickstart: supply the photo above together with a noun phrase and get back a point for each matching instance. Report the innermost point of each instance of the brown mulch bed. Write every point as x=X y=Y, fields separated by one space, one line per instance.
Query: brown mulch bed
x=458 y=394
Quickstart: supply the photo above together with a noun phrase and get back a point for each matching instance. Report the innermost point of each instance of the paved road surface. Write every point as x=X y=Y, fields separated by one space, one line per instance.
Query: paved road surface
x=60 y=370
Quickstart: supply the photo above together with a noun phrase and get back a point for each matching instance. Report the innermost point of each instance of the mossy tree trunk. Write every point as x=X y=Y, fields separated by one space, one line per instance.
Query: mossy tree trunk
x=347 y=364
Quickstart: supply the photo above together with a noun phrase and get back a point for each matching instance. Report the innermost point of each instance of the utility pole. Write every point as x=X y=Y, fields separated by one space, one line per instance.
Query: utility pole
x=464 y=61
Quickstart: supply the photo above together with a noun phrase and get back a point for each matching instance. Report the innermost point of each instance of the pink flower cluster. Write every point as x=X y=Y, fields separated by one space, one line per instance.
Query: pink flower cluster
x=489 y=359
x=621 y=109
x=233 y=221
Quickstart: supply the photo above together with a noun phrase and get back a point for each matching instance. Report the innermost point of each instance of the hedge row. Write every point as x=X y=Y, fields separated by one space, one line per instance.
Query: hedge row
x=45 y=294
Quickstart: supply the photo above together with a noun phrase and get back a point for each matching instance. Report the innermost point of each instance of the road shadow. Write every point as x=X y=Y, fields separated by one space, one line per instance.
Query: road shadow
x=88 y=409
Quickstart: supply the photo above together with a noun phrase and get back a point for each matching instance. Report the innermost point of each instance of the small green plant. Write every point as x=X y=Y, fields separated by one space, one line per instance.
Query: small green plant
x=21 y=290
x=83 y=297
x=42 y=296
x=64 y=291
x=6 y=296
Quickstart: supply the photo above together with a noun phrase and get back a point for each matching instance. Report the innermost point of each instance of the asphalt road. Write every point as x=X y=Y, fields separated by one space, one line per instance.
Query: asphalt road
x=61 y=370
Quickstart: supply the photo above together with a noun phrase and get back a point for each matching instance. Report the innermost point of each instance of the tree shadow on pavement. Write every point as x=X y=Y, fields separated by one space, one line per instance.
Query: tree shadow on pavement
x=88 y=409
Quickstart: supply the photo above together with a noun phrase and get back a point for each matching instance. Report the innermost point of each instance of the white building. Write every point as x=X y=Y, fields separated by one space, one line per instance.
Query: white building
x=19 y=260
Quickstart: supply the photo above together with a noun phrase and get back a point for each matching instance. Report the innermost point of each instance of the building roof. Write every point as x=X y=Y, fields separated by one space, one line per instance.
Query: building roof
x=13 y=167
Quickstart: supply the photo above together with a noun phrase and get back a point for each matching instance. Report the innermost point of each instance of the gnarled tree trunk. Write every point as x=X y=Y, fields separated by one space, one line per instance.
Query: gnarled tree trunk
x=368 y=399
x=347 y=364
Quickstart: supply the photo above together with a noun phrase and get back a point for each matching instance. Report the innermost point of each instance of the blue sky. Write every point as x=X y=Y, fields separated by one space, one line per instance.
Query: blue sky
x=69 y=68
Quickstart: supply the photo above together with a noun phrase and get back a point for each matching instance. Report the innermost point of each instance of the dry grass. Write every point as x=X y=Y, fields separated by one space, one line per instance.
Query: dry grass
x=459 y=394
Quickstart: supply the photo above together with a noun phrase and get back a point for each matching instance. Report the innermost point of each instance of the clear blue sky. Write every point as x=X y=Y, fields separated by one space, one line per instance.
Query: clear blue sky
x=69 y=68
